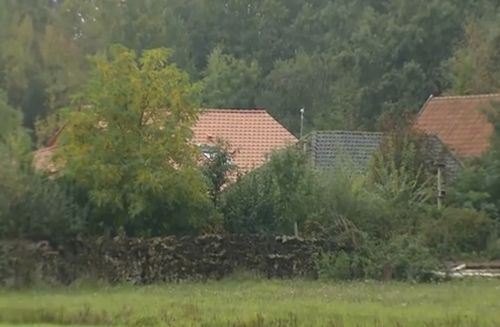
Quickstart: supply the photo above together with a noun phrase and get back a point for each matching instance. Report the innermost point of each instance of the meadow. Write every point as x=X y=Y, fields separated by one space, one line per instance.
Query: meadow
x=252 y=303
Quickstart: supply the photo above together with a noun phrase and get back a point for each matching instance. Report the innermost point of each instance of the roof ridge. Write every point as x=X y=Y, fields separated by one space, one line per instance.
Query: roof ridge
x=471 y=96
x=348 y=131
x=234 y=109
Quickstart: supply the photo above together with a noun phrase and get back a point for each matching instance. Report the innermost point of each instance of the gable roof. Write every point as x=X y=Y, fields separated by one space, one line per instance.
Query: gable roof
x=329 y=148
x=252 y=134
x=460 y=122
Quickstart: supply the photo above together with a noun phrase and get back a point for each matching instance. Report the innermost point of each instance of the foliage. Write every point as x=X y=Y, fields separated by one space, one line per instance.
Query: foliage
x=347 y=62
x=41 y=63
x=125 y=151
x=474 y=66
x=230 y=82
x=15 y=146
x=31 y=207
x=457 y=231
x=46 y=211
x=478 y=186
x=404 y=258
x=342 y=202
x=271 y=198
x=218 y=168
x=15 y=142
x=126 y=143
x=342 y=206
x=48 y=129
x=335 y=266
x=474 y=189
x=400 y=177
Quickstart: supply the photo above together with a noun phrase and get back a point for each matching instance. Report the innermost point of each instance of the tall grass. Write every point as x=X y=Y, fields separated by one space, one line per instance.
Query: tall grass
x=253 y=302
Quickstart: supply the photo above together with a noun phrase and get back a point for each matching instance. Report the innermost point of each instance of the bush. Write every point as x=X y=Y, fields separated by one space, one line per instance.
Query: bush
x=457 y=231
x=343 y=207
x=47 y=210
x=408 y=258
x=334 y=266
x=272 y=198
x=404 y=258
x=475 y=188
x=493 y=250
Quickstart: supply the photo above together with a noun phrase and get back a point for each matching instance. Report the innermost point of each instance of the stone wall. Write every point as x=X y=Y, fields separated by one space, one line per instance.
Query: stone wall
x=144 y=261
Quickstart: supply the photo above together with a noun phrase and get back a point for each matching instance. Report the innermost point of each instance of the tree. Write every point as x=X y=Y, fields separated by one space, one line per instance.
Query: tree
x=230 y=82
x=41 y=63
x=127 y=143
x=218 y=169
x=15 y=146
x=317 y=82
x=475 y=65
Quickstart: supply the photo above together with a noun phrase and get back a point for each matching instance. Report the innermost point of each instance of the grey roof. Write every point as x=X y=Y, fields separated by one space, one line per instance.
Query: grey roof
x=329 y=148
x=444 y=157
x=332 y=148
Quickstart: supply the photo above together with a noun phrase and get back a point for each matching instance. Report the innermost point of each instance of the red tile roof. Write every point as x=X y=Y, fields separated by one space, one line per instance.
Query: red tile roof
x=251 y=133
x=460 y=122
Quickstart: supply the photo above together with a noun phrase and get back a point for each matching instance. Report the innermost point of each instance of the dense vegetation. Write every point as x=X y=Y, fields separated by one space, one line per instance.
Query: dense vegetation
x=125 y=164
x=348 y=62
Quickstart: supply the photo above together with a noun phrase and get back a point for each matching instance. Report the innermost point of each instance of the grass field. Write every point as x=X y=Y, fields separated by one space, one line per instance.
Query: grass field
x=258 y=303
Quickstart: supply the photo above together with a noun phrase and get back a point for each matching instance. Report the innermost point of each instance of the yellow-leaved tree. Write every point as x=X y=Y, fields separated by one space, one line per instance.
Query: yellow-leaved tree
x=126 y=145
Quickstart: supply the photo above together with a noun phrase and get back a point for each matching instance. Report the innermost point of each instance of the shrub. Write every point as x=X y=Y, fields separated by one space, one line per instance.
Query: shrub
x=408 y=258
x=47 y=210
x=272 y=198
x=493 y=250
x=334 y=266
x=404 y=258
x=342 y=208
x=217 y=168
x=476 y=187
x=457 y=231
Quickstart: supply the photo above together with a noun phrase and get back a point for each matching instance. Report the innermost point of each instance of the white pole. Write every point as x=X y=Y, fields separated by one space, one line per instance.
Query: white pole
x=301 y=122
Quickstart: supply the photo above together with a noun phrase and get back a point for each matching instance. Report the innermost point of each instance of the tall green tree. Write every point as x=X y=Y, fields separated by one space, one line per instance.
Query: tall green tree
x=127 y=144
x=230 y=82
x=15 y=147
x=40 y=61
x=475 y=65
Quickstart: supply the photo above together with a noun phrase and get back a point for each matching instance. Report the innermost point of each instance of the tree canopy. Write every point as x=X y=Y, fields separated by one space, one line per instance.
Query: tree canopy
x=126 y=141
x=349 y=62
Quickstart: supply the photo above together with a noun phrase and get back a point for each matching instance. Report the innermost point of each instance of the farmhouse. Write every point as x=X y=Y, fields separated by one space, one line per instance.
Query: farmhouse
x=460 y=122
x=251 y=134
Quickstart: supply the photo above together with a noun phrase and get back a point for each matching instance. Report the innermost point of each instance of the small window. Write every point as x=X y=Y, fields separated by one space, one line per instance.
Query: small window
x=208 y=151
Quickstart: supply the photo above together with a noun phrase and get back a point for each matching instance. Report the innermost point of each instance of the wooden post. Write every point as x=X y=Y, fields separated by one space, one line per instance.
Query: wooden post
x=439 y=188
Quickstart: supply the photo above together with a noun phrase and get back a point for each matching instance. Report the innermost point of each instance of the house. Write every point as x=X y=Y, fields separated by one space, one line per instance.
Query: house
x=460 y=122
x=330 y=149
x=251 y=134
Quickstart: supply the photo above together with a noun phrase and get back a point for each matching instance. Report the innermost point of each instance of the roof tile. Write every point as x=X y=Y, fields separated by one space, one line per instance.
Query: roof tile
x=460 y=122
x=252 y=133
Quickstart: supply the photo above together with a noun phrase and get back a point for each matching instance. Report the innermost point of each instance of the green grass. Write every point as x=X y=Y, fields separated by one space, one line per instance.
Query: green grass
x=259 y=303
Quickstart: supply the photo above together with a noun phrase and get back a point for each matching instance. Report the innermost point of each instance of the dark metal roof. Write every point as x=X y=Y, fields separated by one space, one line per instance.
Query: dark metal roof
x=356 y=149
x=330 y=148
